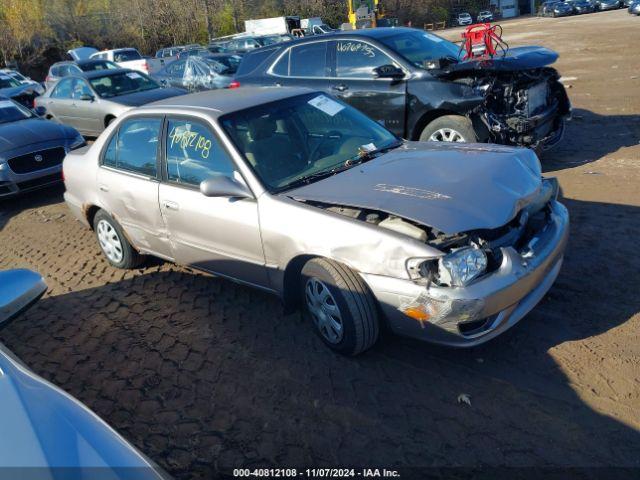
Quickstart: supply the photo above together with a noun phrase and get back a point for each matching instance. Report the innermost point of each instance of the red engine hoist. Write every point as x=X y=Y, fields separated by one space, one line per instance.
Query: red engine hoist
x=481 y=40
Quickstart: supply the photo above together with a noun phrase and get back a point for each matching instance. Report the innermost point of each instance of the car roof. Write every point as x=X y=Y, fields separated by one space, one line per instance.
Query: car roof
x=104 y=73
x=222 y=101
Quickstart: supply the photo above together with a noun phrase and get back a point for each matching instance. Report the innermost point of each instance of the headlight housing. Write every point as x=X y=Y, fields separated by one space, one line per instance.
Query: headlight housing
x=77 y=142
x=461 y=266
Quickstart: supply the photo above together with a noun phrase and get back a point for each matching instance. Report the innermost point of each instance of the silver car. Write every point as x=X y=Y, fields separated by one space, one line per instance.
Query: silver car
x=89 y=102
x=298 y=194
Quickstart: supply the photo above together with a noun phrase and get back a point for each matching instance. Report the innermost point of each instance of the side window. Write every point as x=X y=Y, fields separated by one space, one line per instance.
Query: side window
x=309 y=60
x=134 y=147
x=282 y=65
x=79 y=89
x=63 y=89
x=356 y=59
x=194 y=154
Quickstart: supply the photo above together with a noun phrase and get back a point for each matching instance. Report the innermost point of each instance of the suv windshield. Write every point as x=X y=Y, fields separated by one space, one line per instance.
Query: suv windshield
x=418 y=47
x=122 y=84
x=126 y=55
x=12 y=112
x=302 y=139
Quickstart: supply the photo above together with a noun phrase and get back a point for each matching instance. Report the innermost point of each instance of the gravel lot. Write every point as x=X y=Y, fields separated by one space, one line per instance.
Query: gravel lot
x=204 y=375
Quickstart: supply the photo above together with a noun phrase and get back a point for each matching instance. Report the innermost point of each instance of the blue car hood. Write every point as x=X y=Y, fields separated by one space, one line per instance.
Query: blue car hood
x=32 y=130
x=518 y=58
x=42 y=426
x=450 y=187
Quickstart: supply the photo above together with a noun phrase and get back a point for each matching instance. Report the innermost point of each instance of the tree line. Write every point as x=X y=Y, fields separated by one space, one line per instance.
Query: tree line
x=35 y=33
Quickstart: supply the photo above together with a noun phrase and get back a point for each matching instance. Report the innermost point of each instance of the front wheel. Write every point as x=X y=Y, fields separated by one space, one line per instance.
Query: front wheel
x=113 y=243
x=340 y=306
x=449 y=128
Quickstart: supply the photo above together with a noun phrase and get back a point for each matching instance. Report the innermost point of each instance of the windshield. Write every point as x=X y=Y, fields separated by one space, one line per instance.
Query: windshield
x=418 y=47
x=12 y=112
x=298 y=140
x=126 y=55
x=122 y=84
x=98 y=65
x=7 y=81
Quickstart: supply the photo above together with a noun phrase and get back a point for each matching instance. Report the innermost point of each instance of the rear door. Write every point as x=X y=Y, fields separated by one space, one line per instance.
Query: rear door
x=217 y=234
x=128 y=182
x=353 y=81
x=304 y=65
x=59 y=103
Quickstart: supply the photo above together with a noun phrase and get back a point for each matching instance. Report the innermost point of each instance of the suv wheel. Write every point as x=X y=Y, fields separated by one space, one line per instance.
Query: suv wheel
x=113 y=242
x=340 y=306
x=449 y=128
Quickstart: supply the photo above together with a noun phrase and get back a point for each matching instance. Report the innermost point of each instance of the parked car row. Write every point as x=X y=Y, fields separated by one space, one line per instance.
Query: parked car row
x=562 y=8
x=465 y=18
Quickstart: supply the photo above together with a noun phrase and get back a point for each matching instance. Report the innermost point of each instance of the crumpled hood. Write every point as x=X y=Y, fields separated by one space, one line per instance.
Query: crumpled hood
x=32 y=130
x=450 y=187
x=518 y=58
x=142 y=98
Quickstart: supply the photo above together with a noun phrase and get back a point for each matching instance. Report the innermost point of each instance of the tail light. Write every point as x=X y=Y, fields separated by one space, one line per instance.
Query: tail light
x=234 y=84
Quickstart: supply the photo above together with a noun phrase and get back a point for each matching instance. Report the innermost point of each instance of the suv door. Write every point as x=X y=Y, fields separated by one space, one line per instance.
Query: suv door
x=128 y=183
x=303 y=65
x=353 y=81
x=217 y=234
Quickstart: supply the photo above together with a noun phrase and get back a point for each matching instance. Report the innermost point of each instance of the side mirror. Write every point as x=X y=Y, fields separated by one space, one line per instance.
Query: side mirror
x=40 y=111
x=85 y=97
x=222 y=186
x=388 y=71
x=19 y=289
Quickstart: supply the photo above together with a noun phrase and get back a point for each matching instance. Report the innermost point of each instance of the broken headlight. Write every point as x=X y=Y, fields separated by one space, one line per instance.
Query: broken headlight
x=461 y=266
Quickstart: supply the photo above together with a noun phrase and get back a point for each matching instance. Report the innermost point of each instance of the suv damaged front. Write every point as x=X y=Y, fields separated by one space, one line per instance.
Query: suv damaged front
x=523 y=102
x=493 y=226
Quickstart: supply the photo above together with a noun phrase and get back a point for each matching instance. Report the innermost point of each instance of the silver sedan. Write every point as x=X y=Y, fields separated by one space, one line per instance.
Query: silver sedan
x=298 y=194
x=90 y=101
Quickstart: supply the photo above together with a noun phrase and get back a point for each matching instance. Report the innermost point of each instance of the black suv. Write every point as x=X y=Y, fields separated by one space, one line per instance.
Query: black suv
x=414 y=83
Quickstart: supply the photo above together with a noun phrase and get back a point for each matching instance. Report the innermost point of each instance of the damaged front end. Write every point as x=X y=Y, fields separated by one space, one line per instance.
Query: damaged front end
x=483 y=282
x=524 y=102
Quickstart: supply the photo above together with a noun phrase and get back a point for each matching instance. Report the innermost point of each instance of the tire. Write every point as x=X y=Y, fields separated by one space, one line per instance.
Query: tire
x=457 y=126
x=329 y=286
x=113 y=242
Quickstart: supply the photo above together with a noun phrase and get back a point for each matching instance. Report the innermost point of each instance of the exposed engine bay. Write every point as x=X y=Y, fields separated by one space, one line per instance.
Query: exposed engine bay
x=521 y=107
x=519 y=233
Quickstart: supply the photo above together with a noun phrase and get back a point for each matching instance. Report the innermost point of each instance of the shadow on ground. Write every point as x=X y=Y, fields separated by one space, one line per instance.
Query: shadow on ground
x=590 y=137
x=12 y=206
x=204 y=375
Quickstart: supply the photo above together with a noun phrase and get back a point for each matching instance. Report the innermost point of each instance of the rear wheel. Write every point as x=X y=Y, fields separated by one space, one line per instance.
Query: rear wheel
x=339 y=306
x=113 y=242
x=449 y=128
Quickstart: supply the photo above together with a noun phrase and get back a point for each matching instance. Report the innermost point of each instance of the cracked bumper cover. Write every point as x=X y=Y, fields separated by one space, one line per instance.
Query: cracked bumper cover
x=502 y=297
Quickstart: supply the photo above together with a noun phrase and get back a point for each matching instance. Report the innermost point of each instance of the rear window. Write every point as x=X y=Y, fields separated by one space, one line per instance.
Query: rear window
x=126 y=55
x=252 y=60
x=309 y=60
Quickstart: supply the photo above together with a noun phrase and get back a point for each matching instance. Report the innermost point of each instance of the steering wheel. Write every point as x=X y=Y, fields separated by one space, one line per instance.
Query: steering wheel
x=325 y=138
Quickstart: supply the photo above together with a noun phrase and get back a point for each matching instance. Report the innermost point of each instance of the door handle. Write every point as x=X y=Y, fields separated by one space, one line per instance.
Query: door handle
x=104 y=188
x=170 y=205
x=341 y=88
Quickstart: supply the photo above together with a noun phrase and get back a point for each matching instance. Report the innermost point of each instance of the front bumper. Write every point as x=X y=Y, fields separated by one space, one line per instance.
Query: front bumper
x=12 y=183
x=490 y=305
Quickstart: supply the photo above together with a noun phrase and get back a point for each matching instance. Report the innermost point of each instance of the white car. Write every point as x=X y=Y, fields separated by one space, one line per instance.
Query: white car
x=464 y=19
x=125 y=58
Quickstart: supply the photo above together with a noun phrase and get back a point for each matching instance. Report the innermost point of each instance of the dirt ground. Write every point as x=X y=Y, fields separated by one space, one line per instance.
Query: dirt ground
x=204 y=375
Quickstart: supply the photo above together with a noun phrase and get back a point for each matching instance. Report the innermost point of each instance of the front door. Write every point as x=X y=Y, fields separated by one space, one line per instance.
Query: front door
x=217 y=234
x=85 y=109
x=353 y=81
x=128 y=183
